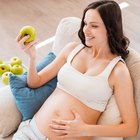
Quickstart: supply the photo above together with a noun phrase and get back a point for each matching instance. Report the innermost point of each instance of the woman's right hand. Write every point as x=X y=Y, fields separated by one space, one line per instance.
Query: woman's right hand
x=28 y=48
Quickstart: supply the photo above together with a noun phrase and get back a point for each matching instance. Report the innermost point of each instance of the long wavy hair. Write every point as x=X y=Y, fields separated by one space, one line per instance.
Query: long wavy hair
x=110 y=13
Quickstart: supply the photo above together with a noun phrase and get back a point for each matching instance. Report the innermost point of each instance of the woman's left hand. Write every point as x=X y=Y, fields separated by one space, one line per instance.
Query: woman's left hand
x=70 y=128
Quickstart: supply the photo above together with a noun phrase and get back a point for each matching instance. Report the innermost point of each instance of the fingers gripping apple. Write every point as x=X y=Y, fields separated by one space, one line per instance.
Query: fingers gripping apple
x=28 y=30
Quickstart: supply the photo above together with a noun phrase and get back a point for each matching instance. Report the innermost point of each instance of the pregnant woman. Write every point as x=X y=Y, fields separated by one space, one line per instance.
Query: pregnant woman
x=88 y=74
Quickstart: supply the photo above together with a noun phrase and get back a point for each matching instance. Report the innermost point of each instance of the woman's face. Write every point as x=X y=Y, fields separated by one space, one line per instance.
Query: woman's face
x=94 y=29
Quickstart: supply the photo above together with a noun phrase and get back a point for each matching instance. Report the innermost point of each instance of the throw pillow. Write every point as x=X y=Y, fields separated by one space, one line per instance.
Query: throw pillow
x=29 y=100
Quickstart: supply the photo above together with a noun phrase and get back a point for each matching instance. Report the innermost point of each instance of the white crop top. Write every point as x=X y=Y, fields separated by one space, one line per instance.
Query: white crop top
x=93 y=91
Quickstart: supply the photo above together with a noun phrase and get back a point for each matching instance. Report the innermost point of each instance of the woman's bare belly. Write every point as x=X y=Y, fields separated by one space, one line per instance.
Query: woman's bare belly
x=59 y=106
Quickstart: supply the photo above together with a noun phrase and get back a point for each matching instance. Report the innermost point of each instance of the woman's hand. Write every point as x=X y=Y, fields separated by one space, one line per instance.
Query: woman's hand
x=28 y=48
x=70 y=128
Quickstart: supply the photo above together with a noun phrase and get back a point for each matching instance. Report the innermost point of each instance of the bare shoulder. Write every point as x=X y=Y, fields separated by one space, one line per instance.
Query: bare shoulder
x=53 y=68
x=121 y=74
x=121 y=70
x=68 y=48
x=64 y=53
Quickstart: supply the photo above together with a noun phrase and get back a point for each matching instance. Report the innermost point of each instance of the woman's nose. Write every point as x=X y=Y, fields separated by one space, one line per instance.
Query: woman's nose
x=87 y=30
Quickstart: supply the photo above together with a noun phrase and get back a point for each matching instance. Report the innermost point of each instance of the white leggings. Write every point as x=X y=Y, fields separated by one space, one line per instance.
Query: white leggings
x=28 y=131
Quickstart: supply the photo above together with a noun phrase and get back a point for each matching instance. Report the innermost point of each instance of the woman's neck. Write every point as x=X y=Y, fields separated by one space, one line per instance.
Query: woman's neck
x=100 y=52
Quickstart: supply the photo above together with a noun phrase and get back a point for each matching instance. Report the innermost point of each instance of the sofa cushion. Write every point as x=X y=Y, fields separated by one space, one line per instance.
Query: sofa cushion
x=10 y=117
x=29 y=100
x=66 y=32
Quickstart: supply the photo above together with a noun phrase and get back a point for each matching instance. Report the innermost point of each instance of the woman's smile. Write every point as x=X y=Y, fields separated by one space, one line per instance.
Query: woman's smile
x=89 y=38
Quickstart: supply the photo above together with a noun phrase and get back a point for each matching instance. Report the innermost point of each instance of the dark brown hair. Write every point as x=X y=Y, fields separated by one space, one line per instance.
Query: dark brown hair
x=110 y=13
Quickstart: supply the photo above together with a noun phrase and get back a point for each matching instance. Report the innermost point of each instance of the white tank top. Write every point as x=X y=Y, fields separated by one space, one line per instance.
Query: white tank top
x=93 y=91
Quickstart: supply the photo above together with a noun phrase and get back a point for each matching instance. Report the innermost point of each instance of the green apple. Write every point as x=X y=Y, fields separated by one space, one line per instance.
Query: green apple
x=1 y=61
x=4 y=68
x=17 y=69
x=5 y=78
x=15 y=61
x=28 y=30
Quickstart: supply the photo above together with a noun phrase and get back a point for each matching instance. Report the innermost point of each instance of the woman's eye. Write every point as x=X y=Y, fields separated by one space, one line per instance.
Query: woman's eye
x=94 y=26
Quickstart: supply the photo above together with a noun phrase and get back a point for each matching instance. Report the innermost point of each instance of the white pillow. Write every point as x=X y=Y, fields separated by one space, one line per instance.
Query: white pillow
x=10 y=117
x=67 y=32
x=111 y=115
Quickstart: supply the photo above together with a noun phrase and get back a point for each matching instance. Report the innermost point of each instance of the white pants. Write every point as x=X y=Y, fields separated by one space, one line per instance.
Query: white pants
x=28 y=131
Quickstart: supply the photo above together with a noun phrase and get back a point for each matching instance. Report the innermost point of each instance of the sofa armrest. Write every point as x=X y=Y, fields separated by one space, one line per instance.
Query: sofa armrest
x=10 y=117
x=45 y=42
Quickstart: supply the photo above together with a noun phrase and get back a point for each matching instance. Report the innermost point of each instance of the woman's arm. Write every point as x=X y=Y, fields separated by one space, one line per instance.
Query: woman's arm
x=36 y=79
x=123 y=91
x=29 y=49
x=52 y=69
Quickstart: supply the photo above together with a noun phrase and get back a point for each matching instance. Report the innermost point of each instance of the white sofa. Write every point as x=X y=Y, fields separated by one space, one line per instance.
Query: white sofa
x=66 y=32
